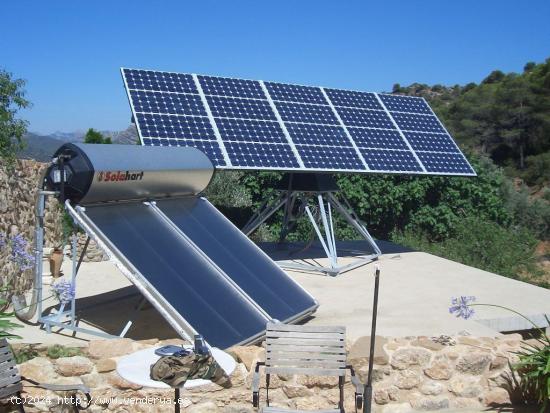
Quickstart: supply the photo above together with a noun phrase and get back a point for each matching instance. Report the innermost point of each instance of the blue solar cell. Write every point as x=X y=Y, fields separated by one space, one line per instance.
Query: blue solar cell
x=453 y=163
x=250 y=130
x=391 y=161
x=435 y=142
x=263 y=155
x=301 y=112
x=223 y=86
x=309 y=134
x=295 y=93
x=172 y=103
x=420 y=123
x=168 y=108
x=366 y=118
x=160 y=81
x=170 y=126
x=409 y=104
x=377 y=138
x=330 y=157
x=226 y=107
x=353 y=99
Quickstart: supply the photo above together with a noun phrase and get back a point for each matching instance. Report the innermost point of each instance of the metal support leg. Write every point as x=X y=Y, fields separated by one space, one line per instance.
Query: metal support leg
x=263 y=214
x=327 y=237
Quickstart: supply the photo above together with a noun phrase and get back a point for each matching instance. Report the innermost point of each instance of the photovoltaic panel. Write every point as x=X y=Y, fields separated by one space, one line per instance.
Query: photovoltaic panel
x=295 y=93
x=306 y=113
x=251 y=124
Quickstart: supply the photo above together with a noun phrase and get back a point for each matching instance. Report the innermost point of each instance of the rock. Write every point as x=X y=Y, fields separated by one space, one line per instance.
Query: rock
x=105 y=365
x=238 y=376
x=396 y=408
x=407 y=379
x=385 y=395
x=39 y=369
x=496 y=397
x=116 y=381
x=473 y=363
x=93 y=380
x=323 y=382
x=206 y=407
x=293 y=390
x=74 y=366
x=499 y=362
x=248 y=355
x=311 y=403
x=406 y=357
x=465 y=387
x=431 y=388
x=427 y=344
x=430 y=403
x=439 y=370
x=464 y=403
x=238 y=408
x=101 y=349
x=470 y=341
x=360 y=351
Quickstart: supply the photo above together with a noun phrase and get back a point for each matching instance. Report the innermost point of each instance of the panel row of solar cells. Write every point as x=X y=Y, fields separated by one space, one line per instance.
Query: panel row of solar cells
x=266 y=125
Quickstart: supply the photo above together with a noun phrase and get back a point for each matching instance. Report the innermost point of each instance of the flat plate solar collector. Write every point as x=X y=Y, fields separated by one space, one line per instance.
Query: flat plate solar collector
x=251 y=124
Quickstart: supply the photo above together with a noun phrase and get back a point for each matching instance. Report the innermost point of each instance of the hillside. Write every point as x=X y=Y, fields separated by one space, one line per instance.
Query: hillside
x=505 y=117
x=42 y=147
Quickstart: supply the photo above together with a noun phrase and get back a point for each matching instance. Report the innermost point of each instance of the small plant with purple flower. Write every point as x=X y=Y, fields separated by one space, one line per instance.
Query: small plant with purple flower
x=534 y=360
x=64 y=291
x=17 y=247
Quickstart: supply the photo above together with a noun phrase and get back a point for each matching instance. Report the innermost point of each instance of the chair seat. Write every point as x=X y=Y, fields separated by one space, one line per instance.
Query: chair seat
x=283 y=410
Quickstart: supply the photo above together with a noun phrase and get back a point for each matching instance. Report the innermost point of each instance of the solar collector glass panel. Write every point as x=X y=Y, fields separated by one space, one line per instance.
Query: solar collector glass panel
x=253 y=271
x=185 y=279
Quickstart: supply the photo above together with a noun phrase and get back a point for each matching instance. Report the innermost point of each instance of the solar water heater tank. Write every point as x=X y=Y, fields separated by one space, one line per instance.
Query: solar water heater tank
x=94 y=173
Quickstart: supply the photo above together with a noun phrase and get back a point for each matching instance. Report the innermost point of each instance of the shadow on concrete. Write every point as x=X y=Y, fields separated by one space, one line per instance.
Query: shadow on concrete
x=310 y=251
x=109 y=312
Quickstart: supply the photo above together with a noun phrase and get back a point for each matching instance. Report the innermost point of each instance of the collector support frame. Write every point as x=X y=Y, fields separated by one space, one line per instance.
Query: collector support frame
x=65 y=318
x=299 y=192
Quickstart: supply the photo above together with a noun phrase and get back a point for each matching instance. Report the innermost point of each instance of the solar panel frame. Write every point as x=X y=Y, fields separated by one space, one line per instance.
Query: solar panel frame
x=221 y=142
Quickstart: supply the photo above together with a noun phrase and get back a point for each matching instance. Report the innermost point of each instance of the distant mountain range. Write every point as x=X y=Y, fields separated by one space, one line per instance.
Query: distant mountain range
x=42 y=147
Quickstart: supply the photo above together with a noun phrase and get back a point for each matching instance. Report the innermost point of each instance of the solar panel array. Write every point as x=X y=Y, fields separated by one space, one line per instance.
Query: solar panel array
x=250 y=124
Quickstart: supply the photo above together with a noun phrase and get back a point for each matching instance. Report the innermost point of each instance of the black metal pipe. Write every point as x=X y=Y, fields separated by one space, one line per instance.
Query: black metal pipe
x=367 y=397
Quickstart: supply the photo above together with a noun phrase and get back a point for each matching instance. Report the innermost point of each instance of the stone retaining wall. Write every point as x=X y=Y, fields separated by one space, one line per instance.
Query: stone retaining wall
x=418 y=373
x=18 y=189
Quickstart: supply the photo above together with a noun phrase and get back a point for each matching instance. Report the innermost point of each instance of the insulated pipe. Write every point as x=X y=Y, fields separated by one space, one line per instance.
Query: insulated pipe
x=22 y=310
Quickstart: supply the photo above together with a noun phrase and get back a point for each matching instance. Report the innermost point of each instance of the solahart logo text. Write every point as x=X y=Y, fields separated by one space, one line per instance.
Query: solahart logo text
x=119 y=176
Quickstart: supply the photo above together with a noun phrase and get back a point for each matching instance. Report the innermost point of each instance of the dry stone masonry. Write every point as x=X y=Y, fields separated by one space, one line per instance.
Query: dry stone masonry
x=412 y=373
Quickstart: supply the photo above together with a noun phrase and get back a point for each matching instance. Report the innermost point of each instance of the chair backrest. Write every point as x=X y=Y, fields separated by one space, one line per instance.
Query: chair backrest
x=307 y=350
x=10 y=380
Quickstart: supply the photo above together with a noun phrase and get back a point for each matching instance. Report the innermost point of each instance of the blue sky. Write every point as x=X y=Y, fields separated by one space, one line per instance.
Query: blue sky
x=70 y=52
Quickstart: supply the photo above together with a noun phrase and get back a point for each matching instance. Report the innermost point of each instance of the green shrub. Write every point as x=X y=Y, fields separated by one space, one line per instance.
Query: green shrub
x=26 y=353
x=57 y=351
x=482 y=244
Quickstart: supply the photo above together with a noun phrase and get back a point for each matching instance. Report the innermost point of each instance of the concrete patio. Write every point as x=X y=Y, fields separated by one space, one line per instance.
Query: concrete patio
x=415 y=292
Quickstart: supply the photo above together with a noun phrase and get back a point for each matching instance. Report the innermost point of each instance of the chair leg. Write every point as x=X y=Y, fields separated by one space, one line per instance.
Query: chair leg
x=341 y=381
x=20 y=406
